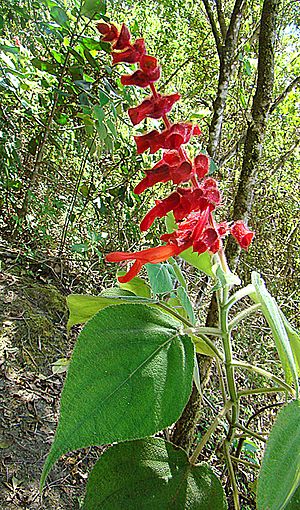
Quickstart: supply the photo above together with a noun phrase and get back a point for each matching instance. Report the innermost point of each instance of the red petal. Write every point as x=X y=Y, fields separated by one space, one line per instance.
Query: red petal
x=109 y=31
x=161 y=209
x=201 y=165
x=242 y=234
x=148 y=63
x=132 y=55
x=133 y=271
x=123 y=39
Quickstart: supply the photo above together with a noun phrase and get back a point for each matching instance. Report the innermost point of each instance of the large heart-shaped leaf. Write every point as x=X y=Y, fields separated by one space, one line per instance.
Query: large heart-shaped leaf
x=280 y=472
x=130 y=376
x=151 y=474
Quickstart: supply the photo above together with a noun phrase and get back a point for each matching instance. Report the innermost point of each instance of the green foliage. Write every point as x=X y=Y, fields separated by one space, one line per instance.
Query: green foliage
x=272 y=315
x=161 y=277
x=126 y=476
x=130 y=376
x=281 y=463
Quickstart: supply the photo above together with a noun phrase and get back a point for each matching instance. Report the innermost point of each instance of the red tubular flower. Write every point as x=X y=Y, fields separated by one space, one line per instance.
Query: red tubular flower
x=148 y=73
x=201 y=165
x=132 y=54
x=210 y=191
x=172 y=138
x=109 y=32
x=153 y=107
x=242 y=234
x=141 y=79
x=161 y=209
x=159 y=174
x=123 y=40
x=171 y=168
x=151 y=255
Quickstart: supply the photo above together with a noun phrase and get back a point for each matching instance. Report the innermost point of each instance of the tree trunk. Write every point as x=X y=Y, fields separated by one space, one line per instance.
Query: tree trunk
x=261 y=105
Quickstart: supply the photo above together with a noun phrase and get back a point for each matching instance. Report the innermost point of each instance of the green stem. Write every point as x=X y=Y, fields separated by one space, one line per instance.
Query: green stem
x=192 y=329
x=235 y=491
x=242 y=315
x=257 y=391
x=240 y=294
x=244 y=462
x=208 y=331
x=226 y=337
x=209 y=432
x=265 y=373
x=250 y=432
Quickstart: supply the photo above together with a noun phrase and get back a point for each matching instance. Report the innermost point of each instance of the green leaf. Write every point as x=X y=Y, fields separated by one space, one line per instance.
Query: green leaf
x=294 y=339
x=136 y=285
x=84 y=307
x=178 y=273
x=160 y=277
x=130 y=376
x=224 y=279
x=104 y=98
x=59 y=15
x=92 y=8
x=201 y=262
x=272 y=315
x=99 y=113
x=80 y=248
x=202 y=347
x=186 y=303
x=151 y=474
x=280 y=471
x=101 y=130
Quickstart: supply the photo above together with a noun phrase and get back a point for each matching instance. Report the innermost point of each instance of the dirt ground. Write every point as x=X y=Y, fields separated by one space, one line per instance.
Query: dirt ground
x=33 y=337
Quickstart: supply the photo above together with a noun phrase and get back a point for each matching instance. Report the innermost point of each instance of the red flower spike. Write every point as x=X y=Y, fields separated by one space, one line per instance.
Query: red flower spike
x=201 y=165
x=242 y=234
x=151 y=255
x=123 y=39
x=172 y=138
x=161 y=209
x=140 y=78
x=132 y=55
x=109 y=32
x=153 y=107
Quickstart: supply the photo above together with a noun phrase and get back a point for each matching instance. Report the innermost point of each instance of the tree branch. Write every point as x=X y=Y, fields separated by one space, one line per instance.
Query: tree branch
x=217 y=35
x=221 y=19
x=286 y=91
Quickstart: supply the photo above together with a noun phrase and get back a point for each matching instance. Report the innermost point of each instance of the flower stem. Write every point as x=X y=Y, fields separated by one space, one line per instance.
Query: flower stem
x=235 y=491
x=250 y=432
x=242 y=315
x=209 y=432
x=257 y=391
x=265 y=373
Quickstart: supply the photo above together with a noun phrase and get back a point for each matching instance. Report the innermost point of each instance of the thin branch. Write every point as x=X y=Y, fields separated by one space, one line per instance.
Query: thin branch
x=221 y=19
x=283 y=95
x=217 y=35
